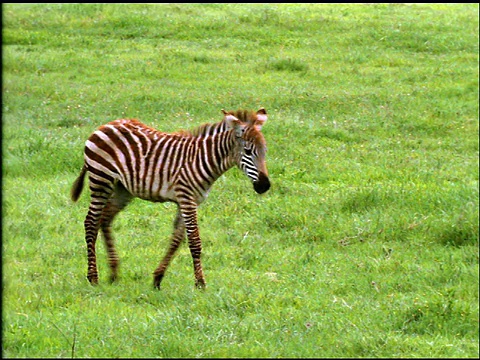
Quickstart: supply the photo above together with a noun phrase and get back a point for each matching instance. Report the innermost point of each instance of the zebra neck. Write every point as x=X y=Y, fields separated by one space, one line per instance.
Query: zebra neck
x=219 y=152
x=230 y=150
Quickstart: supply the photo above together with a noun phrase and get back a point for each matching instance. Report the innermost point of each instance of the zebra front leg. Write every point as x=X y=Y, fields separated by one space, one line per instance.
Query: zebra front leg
x=189 y=213
x=177 y=238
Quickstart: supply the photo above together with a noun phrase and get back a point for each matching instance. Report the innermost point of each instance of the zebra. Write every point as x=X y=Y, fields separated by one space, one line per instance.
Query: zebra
x=125 y=159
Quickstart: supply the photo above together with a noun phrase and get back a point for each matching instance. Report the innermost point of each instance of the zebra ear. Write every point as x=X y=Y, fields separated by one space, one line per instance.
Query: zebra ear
x=233 y=123
x=261 y=119
x=230 y=120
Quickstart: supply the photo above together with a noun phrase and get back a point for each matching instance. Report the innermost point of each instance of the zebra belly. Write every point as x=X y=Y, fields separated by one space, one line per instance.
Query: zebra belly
x=156 y=193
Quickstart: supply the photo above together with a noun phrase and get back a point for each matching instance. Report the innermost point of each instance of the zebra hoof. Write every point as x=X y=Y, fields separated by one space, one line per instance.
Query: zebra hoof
x=93 y=279
x=200 y=284
x=156 y=281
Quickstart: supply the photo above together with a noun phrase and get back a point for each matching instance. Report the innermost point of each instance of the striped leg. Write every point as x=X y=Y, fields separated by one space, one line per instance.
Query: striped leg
x=189 y=214
x=177 y=238
x=120 y=198
x=99 y=198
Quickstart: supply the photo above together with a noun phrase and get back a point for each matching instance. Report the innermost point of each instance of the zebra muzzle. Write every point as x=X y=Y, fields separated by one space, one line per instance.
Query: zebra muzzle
x=262 y=184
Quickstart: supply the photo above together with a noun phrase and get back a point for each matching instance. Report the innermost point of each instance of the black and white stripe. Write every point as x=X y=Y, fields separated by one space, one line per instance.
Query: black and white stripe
x=126 y=159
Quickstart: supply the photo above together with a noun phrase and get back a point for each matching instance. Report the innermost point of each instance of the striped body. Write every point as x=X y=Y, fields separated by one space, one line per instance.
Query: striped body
x=126 y=159
x=150 y=163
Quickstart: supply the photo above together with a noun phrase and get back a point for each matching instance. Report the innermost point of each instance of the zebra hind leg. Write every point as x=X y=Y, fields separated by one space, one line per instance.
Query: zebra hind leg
x=99 y=198
x=120 y=198
x=177 y=238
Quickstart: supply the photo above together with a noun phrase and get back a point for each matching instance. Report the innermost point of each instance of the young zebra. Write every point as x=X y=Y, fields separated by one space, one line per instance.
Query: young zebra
x=126 y=159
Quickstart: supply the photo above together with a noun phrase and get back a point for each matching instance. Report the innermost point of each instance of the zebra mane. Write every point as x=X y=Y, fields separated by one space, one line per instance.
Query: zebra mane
x=208 y=129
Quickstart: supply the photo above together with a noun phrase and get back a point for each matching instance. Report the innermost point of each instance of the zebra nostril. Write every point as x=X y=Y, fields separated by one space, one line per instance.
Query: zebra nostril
x=262 y=184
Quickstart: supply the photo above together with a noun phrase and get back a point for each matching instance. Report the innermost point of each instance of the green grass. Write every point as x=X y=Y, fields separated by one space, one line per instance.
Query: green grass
x=365 y=246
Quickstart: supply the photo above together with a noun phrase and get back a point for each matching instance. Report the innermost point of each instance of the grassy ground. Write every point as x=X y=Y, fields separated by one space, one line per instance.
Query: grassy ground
x=367 y=243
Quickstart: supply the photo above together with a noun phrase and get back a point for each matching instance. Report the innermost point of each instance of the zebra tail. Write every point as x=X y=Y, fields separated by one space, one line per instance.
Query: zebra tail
x=78 y=185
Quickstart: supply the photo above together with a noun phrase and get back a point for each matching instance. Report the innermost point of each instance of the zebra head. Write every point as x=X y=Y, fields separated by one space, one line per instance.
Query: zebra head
x=250 y=146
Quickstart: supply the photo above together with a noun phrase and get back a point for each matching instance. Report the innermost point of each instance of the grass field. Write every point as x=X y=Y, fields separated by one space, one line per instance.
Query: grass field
x=365 y=246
